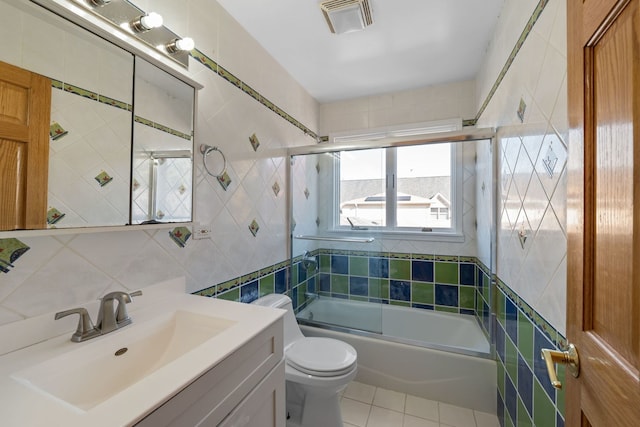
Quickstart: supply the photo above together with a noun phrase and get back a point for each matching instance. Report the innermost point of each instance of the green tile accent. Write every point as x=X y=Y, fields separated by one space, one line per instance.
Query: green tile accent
x=267 y=284
x=507 y=419
x=446 y=309
x=378 y=288
x=358 y=266
x=358 y=298
x=325 y=263
x=302 y=290
x=339 y=284
x=525 y=338
x=422 y=256
x=446 y=272
x=511 y=362
x=544 y=413
x=422 y=292
x=400 y=269
x=467 y=297
x=400 y=303
x=560 y=394
x=448 y=258
x=523 y=416
x=232 y=295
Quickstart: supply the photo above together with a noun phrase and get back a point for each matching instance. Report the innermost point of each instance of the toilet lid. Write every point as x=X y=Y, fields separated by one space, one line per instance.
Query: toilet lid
x=324 y=357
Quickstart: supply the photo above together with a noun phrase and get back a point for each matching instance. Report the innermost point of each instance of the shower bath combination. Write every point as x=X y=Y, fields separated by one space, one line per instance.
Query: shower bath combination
x=411 y=291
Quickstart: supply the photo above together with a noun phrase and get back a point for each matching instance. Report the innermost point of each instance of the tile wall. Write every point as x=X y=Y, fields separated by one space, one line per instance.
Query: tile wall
x=450 y=284
x=65 y=270
x=522 y=92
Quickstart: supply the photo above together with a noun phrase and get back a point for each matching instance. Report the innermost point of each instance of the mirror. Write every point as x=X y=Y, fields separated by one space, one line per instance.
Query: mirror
x=162 y=147
x=95 y=116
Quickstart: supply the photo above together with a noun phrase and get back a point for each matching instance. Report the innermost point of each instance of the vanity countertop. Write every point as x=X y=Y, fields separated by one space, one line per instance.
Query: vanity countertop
x=24 y=403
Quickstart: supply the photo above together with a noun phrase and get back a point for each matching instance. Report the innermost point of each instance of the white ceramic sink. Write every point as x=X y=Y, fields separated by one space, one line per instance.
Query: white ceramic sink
x=101 y=368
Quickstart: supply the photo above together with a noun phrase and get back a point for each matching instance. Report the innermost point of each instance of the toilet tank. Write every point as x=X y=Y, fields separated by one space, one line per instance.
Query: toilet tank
x=291 y=329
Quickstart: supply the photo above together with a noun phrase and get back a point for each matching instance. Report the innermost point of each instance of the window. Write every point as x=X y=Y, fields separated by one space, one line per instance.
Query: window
x=399 y=189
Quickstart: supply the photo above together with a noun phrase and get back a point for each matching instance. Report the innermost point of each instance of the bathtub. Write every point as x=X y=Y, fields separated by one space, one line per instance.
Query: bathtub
x=434 y=355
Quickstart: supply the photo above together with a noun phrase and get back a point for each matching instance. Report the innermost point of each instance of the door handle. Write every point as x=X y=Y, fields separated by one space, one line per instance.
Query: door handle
x=569 y=357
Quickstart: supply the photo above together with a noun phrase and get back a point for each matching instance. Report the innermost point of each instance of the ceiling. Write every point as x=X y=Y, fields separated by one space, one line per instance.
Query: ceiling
x=412 y=43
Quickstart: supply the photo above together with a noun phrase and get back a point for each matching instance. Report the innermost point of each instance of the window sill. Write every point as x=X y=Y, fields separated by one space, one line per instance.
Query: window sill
x=434 y=236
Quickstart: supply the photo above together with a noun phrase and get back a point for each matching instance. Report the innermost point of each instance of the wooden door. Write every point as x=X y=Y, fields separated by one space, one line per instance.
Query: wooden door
x=603 y=319
x=25 y=109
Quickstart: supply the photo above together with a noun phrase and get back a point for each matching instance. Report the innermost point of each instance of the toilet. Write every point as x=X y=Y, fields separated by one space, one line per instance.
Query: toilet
x=316 y=371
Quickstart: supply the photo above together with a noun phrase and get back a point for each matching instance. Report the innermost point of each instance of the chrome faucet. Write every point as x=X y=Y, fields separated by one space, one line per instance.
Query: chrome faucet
x=110 y=318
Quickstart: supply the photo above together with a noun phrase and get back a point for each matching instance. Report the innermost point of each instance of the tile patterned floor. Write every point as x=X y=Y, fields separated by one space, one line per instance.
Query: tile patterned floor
x=364 y=405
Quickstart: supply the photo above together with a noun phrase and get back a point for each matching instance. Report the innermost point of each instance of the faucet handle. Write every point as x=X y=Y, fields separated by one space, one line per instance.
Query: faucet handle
x=85 y=329
x=122 y=317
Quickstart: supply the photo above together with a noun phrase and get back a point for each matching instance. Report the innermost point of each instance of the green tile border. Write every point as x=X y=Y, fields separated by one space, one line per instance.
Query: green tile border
x=161 y=127
x=212 y=65
x=512 y=56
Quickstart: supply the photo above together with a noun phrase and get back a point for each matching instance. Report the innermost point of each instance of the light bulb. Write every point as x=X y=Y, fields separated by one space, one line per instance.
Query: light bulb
x=151 y=20
x=147 y=22
x=186 y=43
x=177 y=45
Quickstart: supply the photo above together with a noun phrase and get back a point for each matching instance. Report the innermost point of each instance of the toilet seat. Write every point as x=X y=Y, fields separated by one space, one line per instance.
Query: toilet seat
x=322 y=357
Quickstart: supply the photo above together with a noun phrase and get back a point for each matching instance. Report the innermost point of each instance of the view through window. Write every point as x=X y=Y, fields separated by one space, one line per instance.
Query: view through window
x=416 y=179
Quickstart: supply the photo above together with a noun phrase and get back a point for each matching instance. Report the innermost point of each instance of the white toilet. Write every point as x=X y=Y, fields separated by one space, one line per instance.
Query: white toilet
x=316 y=370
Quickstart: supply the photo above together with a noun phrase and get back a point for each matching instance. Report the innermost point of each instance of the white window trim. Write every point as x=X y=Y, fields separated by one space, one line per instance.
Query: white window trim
x=453 y=234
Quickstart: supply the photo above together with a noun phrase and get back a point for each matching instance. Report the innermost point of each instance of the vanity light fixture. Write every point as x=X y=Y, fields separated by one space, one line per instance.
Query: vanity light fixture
x=147 y=22
x=180 y=44
x=99 y=3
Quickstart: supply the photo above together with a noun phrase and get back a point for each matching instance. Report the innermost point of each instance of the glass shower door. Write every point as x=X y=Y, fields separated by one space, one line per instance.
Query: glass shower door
x=338 y=275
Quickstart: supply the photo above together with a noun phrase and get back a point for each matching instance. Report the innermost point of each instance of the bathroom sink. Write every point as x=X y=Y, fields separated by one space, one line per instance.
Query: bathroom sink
x=100 y=369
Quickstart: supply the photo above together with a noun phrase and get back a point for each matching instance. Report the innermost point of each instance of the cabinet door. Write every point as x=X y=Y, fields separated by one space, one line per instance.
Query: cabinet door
x=264 y=406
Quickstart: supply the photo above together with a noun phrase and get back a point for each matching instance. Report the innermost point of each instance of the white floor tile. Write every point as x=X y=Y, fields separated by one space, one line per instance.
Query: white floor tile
x=381 y=417
x=360 y=392
x=411 y=421
x=354 y=412
x=486 y=420
x=389 y=399
x=422 y=408
x=456 y=416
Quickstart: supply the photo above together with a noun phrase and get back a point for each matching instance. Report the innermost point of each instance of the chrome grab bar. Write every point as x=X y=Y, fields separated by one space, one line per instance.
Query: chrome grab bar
x=336 y=239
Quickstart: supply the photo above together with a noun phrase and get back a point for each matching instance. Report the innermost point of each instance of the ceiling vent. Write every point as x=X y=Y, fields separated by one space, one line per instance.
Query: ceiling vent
x=345 y=16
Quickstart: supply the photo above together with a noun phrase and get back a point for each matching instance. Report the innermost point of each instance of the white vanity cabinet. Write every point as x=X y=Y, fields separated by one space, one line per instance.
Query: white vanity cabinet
x=245 y=389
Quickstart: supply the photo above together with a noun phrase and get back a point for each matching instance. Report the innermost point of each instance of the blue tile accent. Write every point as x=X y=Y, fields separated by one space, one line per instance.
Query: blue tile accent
x=341 y=296
x=511 y=398
x=541 y=341
x=359 y=286
x=422 y=271
x=311 y=285
x=467 y=311
x=486 y=317
x=467 y=274
x=399 y=290
x=447 y=295
x=422 y=306
x=379 y=267
x=325 y=282
x=525 y=384
x=302 y=273
x=511 y=320
x=559 y=420
x=294 y=298
x=281 y=281
x=339 y=264
x=249 y=292
x=500 y=408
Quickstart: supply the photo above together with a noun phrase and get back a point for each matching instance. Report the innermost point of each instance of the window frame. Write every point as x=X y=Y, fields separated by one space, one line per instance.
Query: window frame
x=453 y=233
